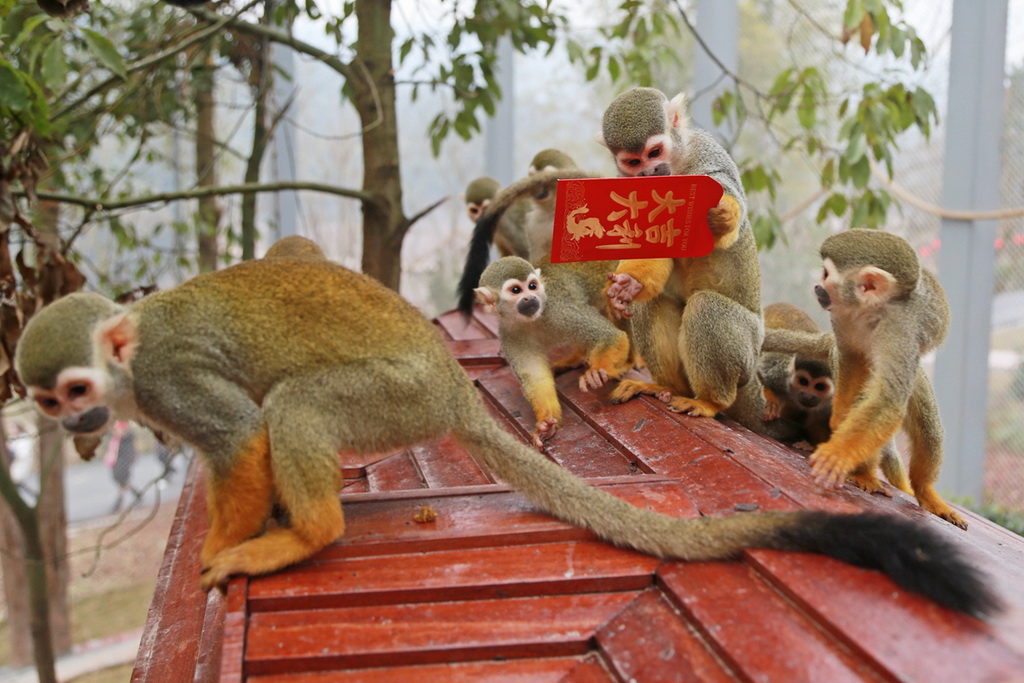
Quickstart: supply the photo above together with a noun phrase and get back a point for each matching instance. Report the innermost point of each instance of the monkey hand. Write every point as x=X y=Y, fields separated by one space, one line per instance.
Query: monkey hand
x=830 y=467
x=621 y=291
x=593 y=379
x=772 y=409
x=542 y=431
x=724 y=221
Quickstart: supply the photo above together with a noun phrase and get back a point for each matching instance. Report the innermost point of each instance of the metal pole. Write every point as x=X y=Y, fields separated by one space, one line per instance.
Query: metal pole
x=718 y=26
x=500 y=131
x=974 y=124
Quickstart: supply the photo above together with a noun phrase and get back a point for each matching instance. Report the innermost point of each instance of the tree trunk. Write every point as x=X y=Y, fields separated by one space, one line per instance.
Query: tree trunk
x=35 y=587
x=53 y=531
x=261 y=81
x=208 y=220
x=12 y=541
x=384 y=225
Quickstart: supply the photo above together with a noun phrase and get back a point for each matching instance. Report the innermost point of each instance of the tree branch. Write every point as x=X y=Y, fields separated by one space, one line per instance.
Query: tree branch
x=154 y=59
x=199 y=192
x=277 y=36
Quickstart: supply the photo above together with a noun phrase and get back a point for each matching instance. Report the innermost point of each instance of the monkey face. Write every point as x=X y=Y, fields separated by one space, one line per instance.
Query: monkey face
x=77 y=400
x=654 y=159
x=474 y=209
x=810 y=390
x=527 y=296
x=523 y=298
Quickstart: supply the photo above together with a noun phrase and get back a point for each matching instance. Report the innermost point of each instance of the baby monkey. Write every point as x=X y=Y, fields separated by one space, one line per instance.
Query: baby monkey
x=543 y=308
x=798 y=389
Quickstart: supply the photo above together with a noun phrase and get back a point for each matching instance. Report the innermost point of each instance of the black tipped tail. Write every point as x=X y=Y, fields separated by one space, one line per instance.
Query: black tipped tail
x=477 y=257
x=914 y=555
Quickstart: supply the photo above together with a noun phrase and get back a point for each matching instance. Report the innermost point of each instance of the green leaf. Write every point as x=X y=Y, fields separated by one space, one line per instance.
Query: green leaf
x=614 y=69
x=828 y=173
x=857 y=147
x=105 y=52
x=807 y=109
x=853 y=14
x=15 y=95
x=860 y=172
x=54 y=68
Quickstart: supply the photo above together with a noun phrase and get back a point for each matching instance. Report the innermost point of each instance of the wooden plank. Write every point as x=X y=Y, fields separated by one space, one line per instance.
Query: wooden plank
x=236 y=621
x=474 y=352
x=901 y=634
x=397 y=473
x=641 y=428
x=717 y=484
x=753 y=628
x=174 y=625
x=211 y=641
x=474 y=574
x=490 y=517
x=428 y=633
x=547 y=670
x=444 y=463
x=454 y=327
x=573 y=439
x=649 y=641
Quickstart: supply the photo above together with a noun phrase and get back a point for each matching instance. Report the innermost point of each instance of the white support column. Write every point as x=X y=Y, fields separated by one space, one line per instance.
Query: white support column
x=974 y=125
x=500 y=130
x=718 y=27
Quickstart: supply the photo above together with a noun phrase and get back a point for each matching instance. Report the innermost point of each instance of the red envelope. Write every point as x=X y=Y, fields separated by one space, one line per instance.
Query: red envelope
x=601 y=219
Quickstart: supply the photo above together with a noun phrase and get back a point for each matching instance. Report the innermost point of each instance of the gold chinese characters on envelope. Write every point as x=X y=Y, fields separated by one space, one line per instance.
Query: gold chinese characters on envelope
x=601 y=219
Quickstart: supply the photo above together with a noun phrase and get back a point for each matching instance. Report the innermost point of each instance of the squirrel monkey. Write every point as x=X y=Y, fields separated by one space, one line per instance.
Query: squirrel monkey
x=797 y=389
x=544 y=308
x=510 y=233
x=696 y=321
x=537 y=189
x=886 y=313
x=244 y=364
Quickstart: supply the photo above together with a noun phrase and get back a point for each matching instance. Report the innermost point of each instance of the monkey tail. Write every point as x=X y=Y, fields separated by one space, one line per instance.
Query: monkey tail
x=915 y=556
x=477 y=258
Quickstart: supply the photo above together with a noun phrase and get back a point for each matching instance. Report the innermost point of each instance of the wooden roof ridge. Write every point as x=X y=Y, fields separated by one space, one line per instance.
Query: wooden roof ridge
x=495 y=589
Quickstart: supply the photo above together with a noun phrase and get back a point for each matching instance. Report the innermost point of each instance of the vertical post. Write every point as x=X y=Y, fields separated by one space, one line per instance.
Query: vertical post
x=974 y=125
x=718 y=27
x=500 y=131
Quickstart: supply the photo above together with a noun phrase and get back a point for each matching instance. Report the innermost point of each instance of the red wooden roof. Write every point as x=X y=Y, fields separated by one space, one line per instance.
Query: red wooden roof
x=493 y=589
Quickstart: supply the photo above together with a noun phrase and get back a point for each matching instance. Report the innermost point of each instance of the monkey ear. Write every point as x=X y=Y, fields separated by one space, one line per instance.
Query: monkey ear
x=118 y=338
x=487 y=296
x=874 y=286
x=599 y=138
x=676 y=112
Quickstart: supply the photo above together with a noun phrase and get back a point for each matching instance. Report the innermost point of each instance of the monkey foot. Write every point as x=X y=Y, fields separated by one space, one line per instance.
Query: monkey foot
x=942 y=510
x=689 y=406
x=593 y=379
x=542 y=431
x=805 y=446
x=953 y=518
x=215 y=575
x=869 y=483
x=772 y=411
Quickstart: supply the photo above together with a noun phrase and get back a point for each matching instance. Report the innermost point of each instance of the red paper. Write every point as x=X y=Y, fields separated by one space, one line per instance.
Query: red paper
x=601 y=219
